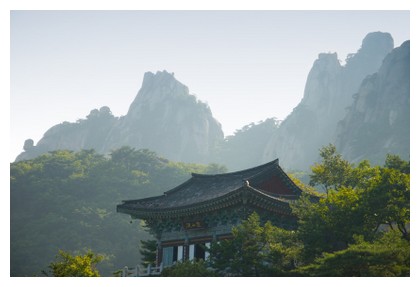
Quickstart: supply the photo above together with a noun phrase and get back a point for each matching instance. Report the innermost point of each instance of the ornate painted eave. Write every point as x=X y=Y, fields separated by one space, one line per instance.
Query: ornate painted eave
x=245 y=195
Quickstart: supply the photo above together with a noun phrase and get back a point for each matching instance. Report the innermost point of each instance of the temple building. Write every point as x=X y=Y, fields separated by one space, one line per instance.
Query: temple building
x=206 y=207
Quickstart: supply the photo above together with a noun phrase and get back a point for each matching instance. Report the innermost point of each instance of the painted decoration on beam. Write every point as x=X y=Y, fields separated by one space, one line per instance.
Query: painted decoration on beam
x=190 y=225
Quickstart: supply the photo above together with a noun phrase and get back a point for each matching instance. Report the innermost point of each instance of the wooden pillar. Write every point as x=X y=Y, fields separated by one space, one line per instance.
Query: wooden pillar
x=180 y=253
x=186 y=250
x=191 y=251
x=158 y=253
x=207 y=253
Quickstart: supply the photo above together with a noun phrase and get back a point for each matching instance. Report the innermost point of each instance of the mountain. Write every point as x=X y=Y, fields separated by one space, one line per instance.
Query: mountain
x=89 y=133
x=378 y=121
x=328 y=91
x=342 y=104
x=164 y=117
x=245 y=148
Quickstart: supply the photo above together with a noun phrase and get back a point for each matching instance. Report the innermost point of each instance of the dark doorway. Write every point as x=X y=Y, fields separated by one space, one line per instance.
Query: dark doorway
x=199 y=251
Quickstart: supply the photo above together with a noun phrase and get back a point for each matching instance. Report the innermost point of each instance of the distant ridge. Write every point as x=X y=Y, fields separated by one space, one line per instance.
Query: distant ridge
x=328 y=92
x=163 y=117
x=378 y=121
x=362 y=107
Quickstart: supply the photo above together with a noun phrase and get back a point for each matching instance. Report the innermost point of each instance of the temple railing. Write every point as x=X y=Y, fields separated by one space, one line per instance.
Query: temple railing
x=140 y=271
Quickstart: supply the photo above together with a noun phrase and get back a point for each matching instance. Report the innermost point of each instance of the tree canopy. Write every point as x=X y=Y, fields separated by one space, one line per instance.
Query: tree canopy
x=361 y=200
x=256 y=249
x=68 y=265
x=66 y=200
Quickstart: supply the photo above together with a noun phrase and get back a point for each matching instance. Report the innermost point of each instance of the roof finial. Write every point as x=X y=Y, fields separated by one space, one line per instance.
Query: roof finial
x=246 y=183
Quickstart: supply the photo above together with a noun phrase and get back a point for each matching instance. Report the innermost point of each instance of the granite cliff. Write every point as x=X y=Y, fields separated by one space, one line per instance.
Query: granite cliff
x=328 y=91
x=88 y=133
x=164 y=117
x=245 y=148
x=378 y=121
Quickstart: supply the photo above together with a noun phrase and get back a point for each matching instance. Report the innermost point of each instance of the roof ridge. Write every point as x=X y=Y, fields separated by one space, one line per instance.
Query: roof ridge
x=271 y=163
x=198 y=175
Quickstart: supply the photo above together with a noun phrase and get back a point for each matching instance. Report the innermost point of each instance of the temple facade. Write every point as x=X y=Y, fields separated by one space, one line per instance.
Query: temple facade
x=204 y=209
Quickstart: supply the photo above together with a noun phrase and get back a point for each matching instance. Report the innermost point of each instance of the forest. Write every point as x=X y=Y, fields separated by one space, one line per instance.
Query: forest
x=66 y=200
x=63 y=208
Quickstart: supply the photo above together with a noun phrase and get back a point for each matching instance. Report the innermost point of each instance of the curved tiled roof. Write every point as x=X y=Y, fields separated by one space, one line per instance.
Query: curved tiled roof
x=201 y=188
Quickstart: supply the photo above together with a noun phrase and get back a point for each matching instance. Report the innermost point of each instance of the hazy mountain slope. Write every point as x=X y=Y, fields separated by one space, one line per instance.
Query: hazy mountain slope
x=245 y=148
x=328 y=91
x=164 y=118
x=88 y=133
x=378 y=122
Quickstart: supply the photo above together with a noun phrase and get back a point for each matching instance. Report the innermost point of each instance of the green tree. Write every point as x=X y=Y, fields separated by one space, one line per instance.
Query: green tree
x=68 y=265
x=313 y=229
x=67 y=200
x=329 y=224
x=395 y=162
x=333 y=172
x=214 y=168
x=360 y=202
x=387 y=256
x=387 y=200
x=188 y=269
x=148 y=252
x=255 y=250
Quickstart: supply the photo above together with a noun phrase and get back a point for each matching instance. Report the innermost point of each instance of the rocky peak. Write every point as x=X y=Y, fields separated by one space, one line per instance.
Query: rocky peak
x=156 y=88
x=166 y=118
x=327 y=59
x=163 y=117
x=378 y=122
x=377 y=43
x=324 y=72
x=369 y=57
x=328 y=92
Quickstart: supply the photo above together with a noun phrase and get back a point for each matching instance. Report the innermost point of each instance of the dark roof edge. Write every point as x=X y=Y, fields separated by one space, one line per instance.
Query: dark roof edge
x=202 y=205
x=122 y=209
x=271 y=163
x=141 y=199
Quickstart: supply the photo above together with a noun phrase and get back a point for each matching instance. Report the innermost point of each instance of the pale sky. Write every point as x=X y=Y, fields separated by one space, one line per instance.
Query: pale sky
x=247 y=65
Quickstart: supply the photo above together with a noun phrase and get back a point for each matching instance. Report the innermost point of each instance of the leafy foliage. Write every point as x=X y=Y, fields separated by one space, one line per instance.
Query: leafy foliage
x=333 y=172
x=188 y=269
x=388 y=199
x=255 y=250
x=387 y=256
x=307 y=189
x=148 y=252
x=360 y=203
x=67 y=200
x=75 y=266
